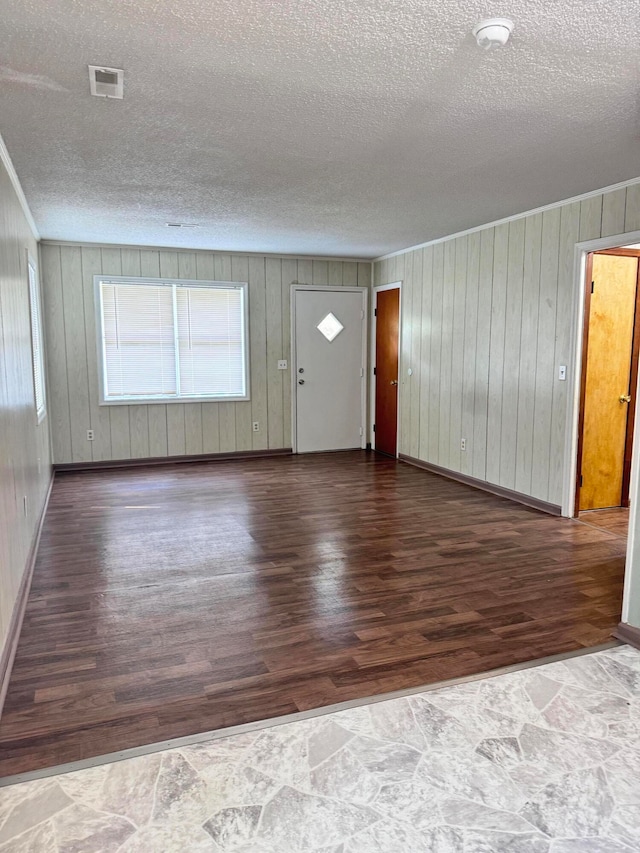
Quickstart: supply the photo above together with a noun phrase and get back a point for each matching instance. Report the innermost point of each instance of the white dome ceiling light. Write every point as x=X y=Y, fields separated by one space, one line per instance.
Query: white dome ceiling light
x=493 y=32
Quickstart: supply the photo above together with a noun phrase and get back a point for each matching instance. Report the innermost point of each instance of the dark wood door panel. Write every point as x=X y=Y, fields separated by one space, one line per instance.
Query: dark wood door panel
x=387 y=333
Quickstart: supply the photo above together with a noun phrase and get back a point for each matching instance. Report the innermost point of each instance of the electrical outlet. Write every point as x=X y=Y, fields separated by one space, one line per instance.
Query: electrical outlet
x=463 y=444
x=89 y=435
x=282 y=364
x=256 y=426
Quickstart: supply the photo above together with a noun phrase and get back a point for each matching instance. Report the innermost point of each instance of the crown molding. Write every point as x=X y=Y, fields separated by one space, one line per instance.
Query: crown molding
x=186 y=249
x=583 y=197
x=17 y=186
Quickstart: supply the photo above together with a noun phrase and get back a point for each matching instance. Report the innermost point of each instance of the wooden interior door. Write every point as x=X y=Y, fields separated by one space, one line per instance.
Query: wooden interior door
x=386 y=367
x=607 y=395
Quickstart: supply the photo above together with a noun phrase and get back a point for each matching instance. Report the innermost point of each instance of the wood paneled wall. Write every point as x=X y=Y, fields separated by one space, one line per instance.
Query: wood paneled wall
x=175 y=429
x=486 y=321
x=25 y=465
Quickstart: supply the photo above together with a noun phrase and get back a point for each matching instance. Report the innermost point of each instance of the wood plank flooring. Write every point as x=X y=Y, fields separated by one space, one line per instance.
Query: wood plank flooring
x=174 y=600
x=615 y=519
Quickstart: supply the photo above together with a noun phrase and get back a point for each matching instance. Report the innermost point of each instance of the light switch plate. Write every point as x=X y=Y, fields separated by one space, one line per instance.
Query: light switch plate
x=562 y=372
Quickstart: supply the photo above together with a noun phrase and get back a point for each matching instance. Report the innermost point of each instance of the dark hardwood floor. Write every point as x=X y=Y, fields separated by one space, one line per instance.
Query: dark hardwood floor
x=615 y=519
x=174 y=600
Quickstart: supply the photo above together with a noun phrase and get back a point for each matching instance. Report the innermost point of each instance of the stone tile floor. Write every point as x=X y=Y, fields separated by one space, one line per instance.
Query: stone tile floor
x=544 y=760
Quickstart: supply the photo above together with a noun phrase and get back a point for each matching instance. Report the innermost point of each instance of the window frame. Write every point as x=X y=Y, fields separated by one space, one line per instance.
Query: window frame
x=243 y=286
x=36 y=330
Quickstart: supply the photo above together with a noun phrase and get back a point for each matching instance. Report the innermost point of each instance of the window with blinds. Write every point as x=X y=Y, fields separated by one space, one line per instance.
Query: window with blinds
x=171 y=340
x=37 y=355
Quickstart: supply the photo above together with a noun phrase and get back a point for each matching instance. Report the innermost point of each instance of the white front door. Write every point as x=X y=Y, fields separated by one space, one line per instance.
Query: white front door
x=329 y=371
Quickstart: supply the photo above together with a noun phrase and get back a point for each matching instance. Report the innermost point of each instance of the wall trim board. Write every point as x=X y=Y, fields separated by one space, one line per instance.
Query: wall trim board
x=627 y=634
x=5 y=157
x=190 y=249
x=10 y=648
x=145 y=462
x=513 y=218
x=482 y=485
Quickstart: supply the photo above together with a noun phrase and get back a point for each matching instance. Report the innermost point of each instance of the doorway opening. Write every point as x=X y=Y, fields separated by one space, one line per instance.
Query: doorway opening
x=386 y=342
x=609 y=377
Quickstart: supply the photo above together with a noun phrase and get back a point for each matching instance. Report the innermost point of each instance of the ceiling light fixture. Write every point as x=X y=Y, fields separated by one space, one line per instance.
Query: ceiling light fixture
x=181 y=225
x=493 y=32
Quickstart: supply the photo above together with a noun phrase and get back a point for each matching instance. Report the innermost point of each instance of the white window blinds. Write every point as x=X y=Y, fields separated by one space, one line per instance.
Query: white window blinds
x=172 y=340
x=37 y=355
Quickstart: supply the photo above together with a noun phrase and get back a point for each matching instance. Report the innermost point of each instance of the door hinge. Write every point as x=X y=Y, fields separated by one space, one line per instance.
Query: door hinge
x=375 y=312
x=374 y=427
x=374 y=371
x=580 y=479
x=592 y=286
x=361 y=372
x=362 y=315
x=361 y=431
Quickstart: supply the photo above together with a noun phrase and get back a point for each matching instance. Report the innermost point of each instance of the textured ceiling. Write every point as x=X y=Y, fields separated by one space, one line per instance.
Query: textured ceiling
x=329 y=127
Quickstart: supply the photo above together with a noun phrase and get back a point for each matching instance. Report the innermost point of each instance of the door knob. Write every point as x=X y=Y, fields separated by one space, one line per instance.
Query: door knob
x=300 y=381
x=625 y=398
x=394 y=382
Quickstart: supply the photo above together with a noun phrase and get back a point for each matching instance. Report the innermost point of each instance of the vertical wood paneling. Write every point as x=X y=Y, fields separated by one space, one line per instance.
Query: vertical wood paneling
x=305 y=271
x=335 y=273
x=511 y=354
x=25 y=464
x=569 y=235
x=457 y=351
x=426 y=331
x=176 y=430
x=320 y=272
x=496 y=352
x=99 y=419
x=448 y=297
x=76 y=352
x=545 y=356
x=350 y=275
x=156 y=430
x=413 y=439
x=469 y=352
x=483 y=343
x=273 y=315
x=435 y=354
x=489 y=362
x=259 y=391
x=613 y=205
x=528 y=352
x=58 y=390
x=590 y=218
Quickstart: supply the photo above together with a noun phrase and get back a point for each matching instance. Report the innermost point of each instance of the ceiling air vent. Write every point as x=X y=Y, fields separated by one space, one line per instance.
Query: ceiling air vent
x=106 y=82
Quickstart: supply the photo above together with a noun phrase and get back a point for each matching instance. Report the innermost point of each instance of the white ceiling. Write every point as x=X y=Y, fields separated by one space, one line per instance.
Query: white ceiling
x=325 y=127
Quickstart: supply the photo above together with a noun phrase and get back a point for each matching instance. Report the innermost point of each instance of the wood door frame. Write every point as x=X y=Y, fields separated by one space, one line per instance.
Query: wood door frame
x=574 y=378
x=633 y=377
x=296 y=288
x=372 y=376
x=633 y=383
